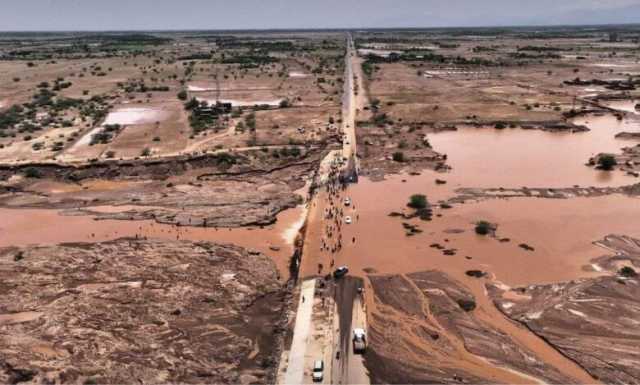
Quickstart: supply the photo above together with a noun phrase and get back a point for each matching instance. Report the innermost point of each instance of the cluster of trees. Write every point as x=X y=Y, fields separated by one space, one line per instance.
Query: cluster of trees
x=106 y=134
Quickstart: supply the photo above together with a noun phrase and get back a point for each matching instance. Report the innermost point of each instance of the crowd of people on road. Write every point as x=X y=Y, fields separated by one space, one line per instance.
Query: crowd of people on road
x=334 y=214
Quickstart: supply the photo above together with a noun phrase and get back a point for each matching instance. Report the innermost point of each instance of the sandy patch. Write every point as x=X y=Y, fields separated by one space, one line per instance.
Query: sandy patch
x=245 y=103
x=294 y=74
x=14 y=318
x=135 y=115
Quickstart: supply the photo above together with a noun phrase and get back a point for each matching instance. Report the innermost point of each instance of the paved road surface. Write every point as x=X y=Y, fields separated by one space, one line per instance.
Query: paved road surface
x=348 y=104
x=349 y=369
x=295 y=368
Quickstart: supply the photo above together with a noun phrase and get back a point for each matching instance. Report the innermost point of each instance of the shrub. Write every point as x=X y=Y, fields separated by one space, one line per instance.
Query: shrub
x=182 y=95
x=467 y=304
x=284 y=103
x=607 y=162
x=484 y=228
x=32 y=172
x=398 y=156
x=417 y=201
x=627 y=272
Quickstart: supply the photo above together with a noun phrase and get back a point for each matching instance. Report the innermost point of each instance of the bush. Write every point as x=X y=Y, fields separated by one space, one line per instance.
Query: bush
x=182 y=95
x=398 y=156
x=501 y=126
x=627 y=272
x=484 y=228
x=191 y=104
x=467 y=304
x=32 y=172
x=607 y=162
x=417 y=201
x=284 y=103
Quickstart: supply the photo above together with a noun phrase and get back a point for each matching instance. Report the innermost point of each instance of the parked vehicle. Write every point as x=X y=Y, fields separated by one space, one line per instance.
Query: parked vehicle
x=347 y=220
x=347 y=201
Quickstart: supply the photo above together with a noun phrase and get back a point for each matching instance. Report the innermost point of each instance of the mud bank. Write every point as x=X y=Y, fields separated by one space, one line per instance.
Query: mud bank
x=593 y=322
x=466 y=194
x=425 y=330
x=153 y=311
x=196 y=195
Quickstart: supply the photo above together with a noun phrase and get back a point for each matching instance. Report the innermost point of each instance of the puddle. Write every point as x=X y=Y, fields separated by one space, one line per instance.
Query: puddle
x=378 y=52
x=200 y=89
x=613 y=65
x=124 y=116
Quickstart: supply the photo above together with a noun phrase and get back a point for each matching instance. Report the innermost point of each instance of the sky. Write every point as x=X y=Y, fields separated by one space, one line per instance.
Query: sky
x=40 y=15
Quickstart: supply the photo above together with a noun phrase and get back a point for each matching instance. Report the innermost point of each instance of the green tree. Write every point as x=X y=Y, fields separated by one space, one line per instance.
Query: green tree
x=484 y=228
x=627 y=272
x=607 y=162
x=417 y=201
x=32 y=172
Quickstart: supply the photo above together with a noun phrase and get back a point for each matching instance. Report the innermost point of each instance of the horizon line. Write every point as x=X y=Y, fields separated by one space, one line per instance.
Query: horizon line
x=332 y=29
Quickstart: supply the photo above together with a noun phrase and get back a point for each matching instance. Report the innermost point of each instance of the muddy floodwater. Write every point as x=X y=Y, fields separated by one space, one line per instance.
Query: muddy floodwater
x=561 y=231
x=21 y=227
x=538 y=240
x=512 y=158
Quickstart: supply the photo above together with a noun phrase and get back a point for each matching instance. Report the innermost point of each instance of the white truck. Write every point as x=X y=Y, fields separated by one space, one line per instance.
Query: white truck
x=359 y=341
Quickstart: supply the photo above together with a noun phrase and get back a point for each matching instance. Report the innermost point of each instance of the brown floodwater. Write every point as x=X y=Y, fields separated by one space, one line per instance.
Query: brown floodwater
x=510 y=158
x=561 y=231
x=21 y=227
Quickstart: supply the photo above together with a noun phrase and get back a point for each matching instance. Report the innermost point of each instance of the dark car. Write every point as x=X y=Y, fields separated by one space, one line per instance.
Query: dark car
x=340 y=272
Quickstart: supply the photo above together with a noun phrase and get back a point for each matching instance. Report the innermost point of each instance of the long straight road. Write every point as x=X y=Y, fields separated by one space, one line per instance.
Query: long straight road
x=349 y=103
x=349 y=312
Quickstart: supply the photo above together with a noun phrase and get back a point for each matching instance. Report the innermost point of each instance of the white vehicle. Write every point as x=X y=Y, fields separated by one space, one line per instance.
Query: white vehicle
x=318 y=369
x=347 y=201
x=359 y=340
x=347 y=220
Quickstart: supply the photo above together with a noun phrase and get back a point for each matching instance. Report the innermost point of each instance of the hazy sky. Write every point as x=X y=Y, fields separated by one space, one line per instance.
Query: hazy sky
x=242 y=14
